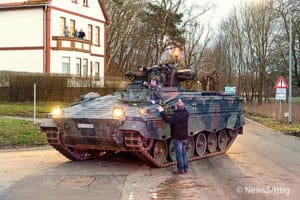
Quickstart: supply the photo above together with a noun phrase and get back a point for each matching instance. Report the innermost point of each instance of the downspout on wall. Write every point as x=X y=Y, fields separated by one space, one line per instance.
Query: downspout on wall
x=44 y=38
x=48 y=40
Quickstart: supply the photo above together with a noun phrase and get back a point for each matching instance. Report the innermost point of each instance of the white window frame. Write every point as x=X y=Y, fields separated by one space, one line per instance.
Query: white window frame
x=65 y=65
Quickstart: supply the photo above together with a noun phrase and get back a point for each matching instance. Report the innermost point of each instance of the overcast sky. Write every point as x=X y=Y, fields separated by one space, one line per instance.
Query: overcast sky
x=222 y=7
x=221 y=10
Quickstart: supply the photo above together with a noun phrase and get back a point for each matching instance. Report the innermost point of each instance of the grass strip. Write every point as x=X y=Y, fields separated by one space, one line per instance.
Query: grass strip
x=16 y=132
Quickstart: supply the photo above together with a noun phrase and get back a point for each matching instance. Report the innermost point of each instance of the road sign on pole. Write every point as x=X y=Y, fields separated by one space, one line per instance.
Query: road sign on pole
x=280 y=86
x=280 y=93
x=230 y=90
x=281 y=83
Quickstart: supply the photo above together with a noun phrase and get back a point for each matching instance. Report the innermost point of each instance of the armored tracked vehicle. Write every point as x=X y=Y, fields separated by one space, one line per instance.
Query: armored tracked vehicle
x=129 y=122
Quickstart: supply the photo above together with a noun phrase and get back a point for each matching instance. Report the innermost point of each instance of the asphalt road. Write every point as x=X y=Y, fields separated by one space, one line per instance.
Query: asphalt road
x=261 y=164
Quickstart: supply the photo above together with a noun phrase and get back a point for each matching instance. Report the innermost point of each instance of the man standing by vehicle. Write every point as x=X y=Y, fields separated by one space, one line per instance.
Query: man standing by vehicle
x=179 y=133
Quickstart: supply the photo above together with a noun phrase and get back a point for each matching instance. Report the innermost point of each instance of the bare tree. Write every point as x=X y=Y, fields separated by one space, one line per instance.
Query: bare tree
x=249 y=34
x=289 y=12
x=140 y=31
x=124 y=20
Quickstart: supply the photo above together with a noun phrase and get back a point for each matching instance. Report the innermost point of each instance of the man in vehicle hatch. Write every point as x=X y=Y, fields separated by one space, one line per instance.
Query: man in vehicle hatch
x=155 y=92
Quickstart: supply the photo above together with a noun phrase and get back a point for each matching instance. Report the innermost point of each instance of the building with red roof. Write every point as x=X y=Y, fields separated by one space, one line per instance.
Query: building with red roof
x=32 y=37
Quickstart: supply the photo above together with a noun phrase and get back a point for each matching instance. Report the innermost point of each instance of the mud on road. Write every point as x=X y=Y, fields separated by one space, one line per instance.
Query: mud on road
x=261 y=164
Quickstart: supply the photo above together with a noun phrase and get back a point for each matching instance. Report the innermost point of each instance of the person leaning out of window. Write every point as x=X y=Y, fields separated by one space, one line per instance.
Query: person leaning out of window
x=76 y=33
x=81 y=34
x=66 y=31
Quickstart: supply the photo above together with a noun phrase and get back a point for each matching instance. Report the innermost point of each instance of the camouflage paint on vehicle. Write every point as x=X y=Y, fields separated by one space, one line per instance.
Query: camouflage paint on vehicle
x=88 y=128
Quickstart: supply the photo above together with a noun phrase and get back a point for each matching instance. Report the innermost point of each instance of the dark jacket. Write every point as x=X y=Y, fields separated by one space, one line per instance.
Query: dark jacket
x=178 y=123
x=81 y=34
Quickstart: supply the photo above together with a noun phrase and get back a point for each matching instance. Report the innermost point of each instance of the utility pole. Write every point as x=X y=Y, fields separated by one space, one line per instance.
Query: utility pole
x=290 y=73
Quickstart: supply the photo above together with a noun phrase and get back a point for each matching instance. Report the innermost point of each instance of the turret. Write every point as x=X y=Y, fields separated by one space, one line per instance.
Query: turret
x=169 y=75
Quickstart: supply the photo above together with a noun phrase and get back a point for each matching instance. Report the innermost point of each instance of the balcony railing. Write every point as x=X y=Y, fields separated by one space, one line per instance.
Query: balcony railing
x=71 y=44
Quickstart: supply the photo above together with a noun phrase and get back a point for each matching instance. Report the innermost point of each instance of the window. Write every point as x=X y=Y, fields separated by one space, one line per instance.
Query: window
x=96 y=70
x=78 y=66
x=62 y=25
x=85 y=3
x=72 y=26
x=90 y=32
x=65 y=65
x=97 y=36
x=84 y=67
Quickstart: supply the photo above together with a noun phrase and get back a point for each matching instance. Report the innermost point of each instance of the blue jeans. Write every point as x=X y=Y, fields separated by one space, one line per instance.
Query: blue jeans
x=180 y=151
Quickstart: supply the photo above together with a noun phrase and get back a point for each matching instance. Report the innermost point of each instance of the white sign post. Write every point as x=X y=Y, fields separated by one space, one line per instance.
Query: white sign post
x=280 y=86
x=230 y=90
x=280 y=94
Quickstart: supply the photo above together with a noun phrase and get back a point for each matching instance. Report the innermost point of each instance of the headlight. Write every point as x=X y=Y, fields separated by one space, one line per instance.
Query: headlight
x=118 y=112
x=142 y=111
x=57 y=112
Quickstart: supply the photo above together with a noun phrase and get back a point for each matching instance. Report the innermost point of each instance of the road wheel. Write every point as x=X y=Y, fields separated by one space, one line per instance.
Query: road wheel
x=190 y=147
x=222 y=140
x=201 y=144
x=172 y=154
x=160 y=151
x=232 y=133
x=212 y=142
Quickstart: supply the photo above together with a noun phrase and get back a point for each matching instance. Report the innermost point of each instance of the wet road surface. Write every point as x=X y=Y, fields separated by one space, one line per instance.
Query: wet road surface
x=261 y=164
